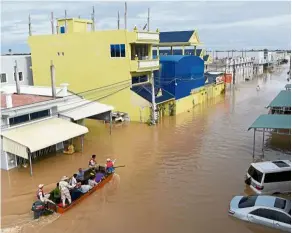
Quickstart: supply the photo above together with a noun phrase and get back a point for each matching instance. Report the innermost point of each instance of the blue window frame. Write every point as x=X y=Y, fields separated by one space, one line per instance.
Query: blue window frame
x=118 y=50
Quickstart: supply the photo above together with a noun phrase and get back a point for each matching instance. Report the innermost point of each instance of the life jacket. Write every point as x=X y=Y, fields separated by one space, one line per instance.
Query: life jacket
x=37 y=194
x=109 y=164
x=91 y=161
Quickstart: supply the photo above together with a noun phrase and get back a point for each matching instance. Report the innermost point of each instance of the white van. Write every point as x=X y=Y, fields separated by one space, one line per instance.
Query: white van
x=270 y=177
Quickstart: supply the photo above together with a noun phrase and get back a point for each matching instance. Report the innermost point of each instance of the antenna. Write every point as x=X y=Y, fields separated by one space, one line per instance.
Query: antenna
x=118 y=20
x=65 y=21
x=29 y=25
x=125 y=15
x=52 y=23
x=148 y=20
x=93 y=19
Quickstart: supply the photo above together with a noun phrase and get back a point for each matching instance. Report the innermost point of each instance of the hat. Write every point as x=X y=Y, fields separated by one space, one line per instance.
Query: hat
x=108 y=160
x=41 y=186
x=64 y=178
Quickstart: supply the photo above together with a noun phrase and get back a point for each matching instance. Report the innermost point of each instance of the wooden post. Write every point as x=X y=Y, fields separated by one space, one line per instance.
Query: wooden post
x=30 y=163
x=111 y=122
x=254 y=133
x=82 y=143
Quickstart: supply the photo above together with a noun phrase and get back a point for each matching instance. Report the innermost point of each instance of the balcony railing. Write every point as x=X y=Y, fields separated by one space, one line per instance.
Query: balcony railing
x=148 y=36
x=144 y=65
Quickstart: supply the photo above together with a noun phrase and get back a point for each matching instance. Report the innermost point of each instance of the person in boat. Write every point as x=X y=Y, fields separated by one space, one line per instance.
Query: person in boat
x=73 y=180
x=80 y=175
x=109 y=166
x=92 y=162
x=42 y=196
x=91 y=180
x=64 y=187
x=56 y=197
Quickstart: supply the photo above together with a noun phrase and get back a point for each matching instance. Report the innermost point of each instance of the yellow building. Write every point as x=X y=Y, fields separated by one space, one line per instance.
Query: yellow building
x=108 y=62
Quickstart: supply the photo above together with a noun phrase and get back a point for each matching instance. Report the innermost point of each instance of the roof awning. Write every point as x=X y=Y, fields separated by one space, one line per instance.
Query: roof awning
x=40 y=135
x=83 y=109
x=283 y=99
x=272 y=121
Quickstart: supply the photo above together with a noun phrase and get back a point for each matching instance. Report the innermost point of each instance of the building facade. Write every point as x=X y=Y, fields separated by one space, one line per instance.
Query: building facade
x=107 y=62
x=23 y=66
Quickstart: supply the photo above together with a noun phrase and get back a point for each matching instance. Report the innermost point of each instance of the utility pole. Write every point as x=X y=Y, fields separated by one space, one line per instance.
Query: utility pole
x=93 y=19
x=234 y=75
x=125 y=15
x=118 y=20
x=29 y=25
x=53 y=80
x=148 y=20
x=153 y=100
x=52 y=23
x=16 y=78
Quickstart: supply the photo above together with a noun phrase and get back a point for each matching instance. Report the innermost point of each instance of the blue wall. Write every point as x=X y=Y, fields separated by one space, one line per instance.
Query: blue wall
x=185 y=71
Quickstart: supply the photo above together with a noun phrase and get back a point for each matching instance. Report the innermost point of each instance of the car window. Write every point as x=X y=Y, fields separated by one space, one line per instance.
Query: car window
x=247 y=201
x=265 y=213
x=255 y=174
x=280 y=203
x=284 y=218
x=277 y=177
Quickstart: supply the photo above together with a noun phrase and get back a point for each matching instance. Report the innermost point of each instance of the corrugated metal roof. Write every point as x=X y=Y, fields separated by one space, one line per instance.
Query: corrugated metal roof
x=42 y=134
x=283 y=99
x=272 y=121
x=145 y=91
x=83 y=109
x=175 y=36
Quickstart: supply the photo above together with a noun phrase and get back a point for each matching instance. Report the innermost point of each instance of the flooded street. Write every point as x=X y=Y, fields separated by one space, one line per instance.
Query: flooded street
x=179 y=177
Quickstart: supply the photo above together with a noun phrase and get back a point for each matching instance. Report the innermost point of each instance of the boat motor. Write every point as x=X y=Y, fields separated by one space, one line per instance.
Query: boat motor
x=38 y=209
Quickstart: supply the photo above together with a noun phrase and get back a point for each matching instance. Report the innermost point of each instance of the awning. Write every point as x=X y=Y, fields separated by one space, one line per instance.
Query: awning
x=272 y=121
x=39 y=135
x=83 y=109
x=283 y=99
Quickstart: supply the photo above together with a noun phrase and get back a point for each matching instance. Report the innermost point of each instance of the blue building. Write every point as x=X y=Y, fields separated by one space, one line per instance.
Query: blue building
x=179 y=75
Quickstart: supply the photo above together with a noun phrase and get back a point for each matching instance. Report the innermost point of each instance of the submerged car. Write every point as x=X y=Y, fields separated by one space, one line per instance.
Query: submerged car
x=269 y=211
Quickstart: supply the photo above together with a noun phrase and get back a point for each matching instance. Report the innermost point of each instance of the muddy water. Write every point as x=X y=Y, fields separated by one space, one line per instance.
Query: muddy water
x=179 y=175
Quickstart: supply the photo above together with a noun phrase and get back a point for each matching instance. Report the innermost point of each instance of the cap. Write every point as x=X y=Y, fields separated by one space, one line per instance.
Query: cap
x=64 y=178
x=108 y=159
x=41 y=185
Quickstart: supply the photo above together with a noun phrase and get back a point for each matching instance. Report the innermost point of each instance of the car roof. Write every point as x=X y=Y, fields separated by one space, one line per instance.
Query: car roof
x=266 y=201
x=270 y=166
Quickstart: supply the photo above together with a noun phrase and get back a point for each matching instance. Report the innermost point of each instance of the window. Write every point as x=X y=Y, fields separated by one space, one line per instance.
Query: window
x=28 y=117
x=272 y=215
x=3 y=78
x=280 y=203
x=255 y=174
x=139 y=79
x=278 y=177
x=118 y=50
x=280 y=164
x=18 y=119
x=247 y=201
x=37 y=115
x=283 y=218
x=20 y=76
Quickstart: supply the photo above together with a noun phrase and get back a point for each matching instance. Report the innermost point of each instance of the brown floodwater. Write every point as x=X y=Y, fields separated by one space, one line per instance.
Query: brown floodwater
x=179 y=177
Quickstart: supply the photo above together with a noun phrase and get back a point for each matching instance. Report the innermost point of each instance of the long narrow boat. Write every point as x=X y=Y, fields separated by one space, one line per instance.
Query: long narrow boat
x=59 y=207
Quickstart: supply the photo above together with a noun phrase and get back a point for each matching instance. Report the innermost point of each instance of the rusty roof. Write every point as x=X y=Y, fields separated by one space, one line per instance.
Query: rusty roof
x=23 y=99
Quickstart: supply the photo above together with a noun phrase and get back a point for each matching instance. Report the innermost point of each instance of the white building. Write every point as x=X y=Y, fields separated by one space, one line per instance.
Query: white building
x=33 y=123
x=24 y=69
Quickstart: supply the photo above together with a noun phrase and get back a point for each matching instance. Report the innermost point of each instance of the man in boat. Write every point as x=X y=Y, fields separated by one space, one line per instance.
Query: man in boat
x=80 y=175
x=43 y=197
x=64 y=187
x=109 y=166
x=92 y=162
x=73 y=180
x=91 y=180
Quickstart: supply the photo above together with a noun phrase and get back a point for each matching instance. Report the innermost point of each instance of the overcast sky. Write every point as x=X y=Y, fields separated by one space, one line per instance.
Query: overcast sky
x=221 y=25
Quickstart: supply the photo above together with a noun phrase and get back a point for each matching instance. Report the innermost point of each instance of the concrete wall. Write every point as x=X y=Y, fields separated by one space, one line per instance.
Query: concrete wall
x=87 y=64
x=23 y=63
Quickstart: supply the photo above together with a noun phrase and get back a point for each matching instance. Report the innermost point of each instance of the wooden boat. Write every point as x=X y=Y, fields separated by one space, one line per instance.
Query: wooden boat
x=59 y=207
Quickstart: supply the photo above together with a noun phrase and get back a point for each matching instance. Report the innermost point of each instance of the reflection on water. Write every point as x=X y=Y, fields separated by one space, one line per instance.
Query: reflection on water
x=179 y=176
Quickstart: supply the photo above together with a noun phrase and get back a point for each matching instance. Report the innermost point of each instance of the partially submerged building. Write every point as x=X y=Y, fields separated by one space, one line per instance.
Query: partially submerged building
x=107 y=62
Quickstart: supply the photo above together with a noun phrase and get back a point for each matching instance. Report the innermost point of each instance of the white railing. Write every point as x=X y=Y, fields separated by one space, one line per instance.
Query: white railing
x=147 y=36
x=143 y=64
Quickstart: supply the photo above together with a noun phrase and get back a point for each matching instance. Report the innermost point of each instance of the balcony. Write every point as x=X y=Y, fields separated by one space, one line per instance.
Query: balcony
x=148 y=37
x=144 y=65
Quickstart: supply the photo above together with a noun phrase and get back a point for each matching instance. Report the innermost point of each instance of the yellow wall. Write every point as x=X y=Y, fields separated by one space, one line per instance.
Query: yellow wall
x=87 y=64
